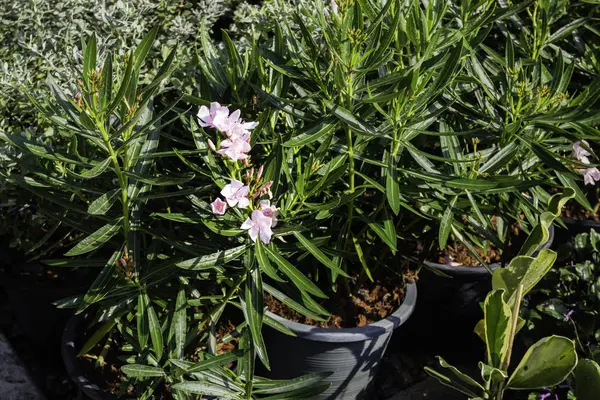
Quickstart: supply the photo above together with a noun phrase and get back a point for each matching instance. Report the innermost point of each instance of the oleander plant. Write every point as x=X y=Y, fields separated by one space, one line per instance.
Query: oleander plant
x=299 y=167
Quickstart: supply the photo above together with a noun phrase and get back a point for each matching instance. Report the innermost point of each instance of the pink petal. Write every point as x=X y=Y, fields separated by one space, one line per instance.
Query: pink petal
x=253 y=233
x=243 y=202
x=247 y=224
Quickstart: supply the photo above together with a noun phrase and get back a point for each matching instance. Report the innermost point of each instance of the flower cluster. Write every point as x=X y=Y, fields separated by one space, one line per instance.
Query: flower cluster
x=590 y=175
x=237 y=144
x=237 y=193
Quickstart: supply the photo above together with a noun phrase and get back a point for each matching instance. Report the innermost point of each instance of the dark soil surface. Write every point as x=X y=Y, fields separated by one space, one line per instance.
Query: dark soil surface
x=366 y=303
x=575 y=212
x=457 y=254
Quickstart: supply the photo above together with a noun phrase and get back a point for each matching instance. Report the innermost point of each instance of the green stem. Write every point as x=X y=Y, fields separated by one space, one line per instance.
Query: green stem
x=121 y=178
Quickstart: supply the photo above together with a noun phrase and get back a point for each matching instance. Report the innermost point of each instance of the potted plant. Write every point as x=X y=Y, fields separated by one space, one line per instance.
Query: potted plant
x=145 y=323
x=309 y=195
x=546 y=363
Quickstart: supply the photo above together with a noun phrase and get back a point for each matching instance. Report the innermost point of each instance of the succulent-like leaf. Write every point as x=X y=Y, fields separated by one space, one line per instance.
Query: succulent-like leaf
x=547 y=363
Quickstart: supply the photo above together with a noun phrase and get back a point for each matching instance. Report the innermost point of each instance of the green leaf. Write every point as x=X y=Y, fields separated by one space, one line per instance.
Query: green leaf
x=346 y=117
x=458 y=381
x=125 y=79
x=540 y=234
x=212 y=260
x=305 y=393
x=212 y=362
x=96 y=239
x=299 y=279
x=282 y=386
x=142 y=321
x=498 y=322
x=587 y=380
x=79 y=263
x=96 y=337
x=500 y=159
x=288 y=301
x=93 y=172
x=89 y=58
x=103 y=281
x=179 y=325
x=253 y=308
x=205 y=388
x=446 y=223
x=319 y=255
x=547 y=363
x=392 y=186
x=314 y=133
x=141 y=51
x=161 y=180
x=102 y=204
x=264 y=263
x=141 y=371
x=571 y=184
x=492 y=374
x=522 y=270
x=155 y=329
x=361 y=258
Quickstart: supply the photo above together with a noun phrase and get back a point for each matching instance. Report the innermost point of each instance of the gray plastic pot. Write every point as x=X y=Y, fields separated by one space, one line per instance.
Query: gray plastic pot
x=352 y=354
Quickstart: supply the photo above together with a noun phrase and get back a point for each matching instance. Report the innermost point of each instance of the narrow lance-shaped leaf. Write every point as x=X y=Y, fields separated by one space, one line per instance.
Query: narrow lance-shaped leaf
x=155 y=329
x=253 y=308
x=89 y=58
x=294 y=274
x=392 y=187
x=102 y=204
x=142 y=321
x=205 y=388
x=96 y=337
x=264 y=263
x=96 y=239
x=284 y=386
x=319 y=255
x=446 y=223
x=179 y=325
x=212 y=260
x=141 y=371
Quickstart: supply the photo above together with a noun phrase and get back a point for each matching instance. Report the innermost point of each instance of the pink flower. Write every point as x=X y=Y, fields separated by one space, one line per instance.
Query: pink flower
x=235 y=193
x=236 y=149
x=334 y=7
x=591 y=176
x=269 y=211
x=581 y=154
x=259 y=225
x=265 y=189
x=214 y=117
x=218 y=207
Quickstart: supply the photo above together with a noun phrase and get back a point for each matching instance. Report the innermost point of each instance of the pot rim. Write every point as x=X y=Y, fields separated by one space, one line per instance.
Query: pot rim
x=587 y=223
x=480 y=270
x=69 y=356
x=358 y=334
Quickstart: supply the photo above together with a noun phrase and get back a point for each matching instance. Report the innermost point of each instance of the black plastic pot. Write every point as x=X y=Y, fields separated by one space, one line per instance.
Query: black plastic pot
x=576 y=227
x=38 y=319
x=448 y=294
x=352 y=354
x=71 y=340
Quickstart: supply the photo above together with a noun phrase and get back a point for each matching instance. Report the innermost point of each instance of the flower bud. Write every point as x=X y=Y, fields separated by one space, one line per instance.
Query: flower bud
x=260 y=172
x=211 y=145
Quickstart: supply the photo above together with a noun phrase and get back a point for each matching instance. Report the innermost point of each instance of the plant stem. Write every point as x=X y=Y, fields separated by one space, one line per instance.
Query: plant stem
x=121 y=178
